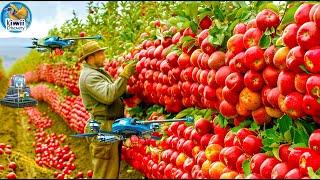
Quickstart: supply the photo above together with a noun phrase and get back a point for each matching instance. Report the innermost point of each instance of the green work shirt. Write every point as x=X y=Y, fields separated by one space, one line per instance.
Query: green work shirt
x=101 y=94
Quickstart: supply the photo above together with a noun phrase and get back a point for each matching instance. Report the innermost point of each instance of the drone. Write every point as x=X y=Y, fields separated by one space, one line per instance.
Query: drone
x=18 y=94
x=124 y=128
x=56 y=42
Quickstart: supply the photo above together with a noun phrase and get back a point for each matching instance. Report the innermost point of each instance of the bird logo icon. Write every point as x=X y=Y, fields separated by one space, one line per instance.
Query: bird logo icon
x=16 y=17
x=15 y=14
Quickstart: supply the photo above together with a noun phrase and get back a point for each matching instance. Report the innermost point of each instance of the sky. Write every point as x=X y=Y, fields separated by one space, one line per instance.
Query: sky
x=46 y=15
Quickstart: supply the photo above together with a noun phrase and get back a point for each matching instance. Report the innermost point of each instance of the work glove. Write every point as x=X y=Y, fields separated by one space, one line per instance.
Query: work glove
x=128 y=70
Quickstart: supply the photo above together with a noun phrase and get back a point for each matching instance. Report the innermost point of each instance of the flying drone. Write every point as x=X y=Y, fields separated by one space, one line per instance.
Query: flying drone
x=18 y=94
x=126 y=127
x=54 y=42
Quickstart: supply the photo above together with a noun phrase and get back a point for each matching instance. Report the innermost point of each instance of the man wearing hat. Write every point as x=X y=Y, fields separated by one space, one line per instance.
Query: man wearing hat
x=101 y=98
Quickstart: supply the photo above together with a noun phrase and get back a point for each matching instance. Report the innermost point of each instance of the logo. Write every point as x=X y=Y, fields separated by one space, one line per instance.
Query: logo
x=16 y=17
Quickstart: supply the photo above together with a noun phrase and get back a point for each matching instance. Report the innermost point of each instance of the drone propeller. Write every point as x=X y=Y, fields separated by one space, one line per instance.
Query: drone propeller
x=89 y=37
x=32 y=47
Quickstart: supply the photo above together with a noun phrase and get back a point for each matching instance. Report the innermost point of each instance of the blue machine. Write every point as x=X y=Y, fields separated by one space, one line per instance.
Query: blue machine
x=18 y=94
x=125 y=127
x=54 y=42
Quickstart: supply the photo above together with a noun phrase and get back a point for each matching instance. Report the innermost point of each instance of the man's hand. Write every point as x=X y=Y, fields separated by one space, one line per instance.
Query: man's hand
x=129 y=69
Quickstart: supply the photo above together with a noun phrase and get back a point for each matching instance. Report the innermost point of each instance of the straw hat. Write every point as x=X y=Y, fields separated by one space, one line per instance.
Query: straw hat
x=90 y=48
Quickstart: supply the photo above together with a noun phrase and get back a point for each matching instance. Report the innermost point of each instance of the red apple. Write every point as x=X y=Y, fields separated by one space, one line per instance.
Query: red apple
x=202 y=35
x=309 y=159
x=289 y=35
x=313 y=86
x=293 y=105
x=230 y=96
x=237 y=63
x=280 y=170
x=269 y=54
x=308 y=36
x=270 y=76
x=211 y=79
x=313 y=12
x=188 y=164
x=231 y=156
x=187 y=147
x=228 y=110
x=252 y=37
x=82 y=34
x=250 y=99
x=314 y=143
x=252 y=24
x=201 y=158
x=240 y=161
x=252 y=144
x=207 y=47
x=284 y=152
x=209 y=93
x=217 y=139
x=293 y=174
x=216 y=169
x=184 y=60
x=216 y=60
x=300 y=81
x=267 y=166
x=253 y=81
x=279 y=59
x=274 y=112
x=310 y=105
x=194 y=57
x=212 y=152
x=240 y=28
x=205 y=140
x=267 y=19
x=203 y=126
x=235 y=43
x=256 y=161
x=286 y=82
x=302 y=13
x=222 y=74
x=235 y=82
x=205 y=22
x=273 y=96
x=295 y=59
x=311 y=60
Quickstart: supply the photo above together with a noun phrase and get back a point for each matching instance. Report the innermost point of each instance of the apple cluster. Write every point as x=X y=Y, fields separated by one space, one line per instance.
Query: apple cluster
x=49 y=149
x=71 y=108
x=10 y=170
x=58 y=74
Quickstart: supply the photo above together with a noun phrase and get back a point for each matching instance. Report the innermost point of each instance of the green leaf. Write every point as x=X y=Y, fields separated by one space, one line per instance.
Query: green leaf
x=246 y=167
x=218 y=13
x=285 y=122
x=208 y=114
x=298 y=145
x=304 y=69
x=311 y=174
x=243 y=124
x=194 y=26
x=254 y=126
x=221 y=121
x=265 y=41
x=184 y=113
x=309 y=126
x=300 y=137
x=270 y=6
x=287 y=136
x=275 y=152
x=289 y=15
